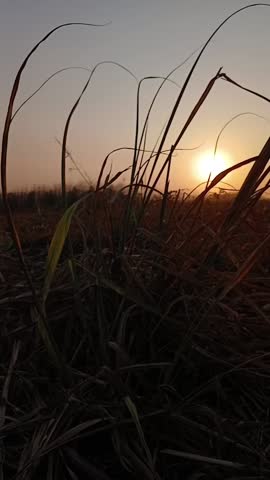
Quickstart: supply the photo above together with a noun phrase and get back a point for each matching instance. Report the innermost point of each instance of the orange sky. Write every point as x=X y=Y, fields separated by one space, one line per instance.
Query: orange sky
x=149 y=37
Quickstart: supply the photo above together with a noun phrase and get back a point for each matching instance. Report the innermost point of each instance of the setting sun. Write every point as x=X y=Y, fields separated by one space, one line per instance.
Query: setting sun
x=207 y=163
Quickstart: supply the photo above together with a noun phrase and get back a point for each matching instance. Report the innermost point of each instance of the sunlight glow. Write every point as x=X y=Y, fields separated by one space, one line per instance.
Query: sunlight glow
x=207 y=163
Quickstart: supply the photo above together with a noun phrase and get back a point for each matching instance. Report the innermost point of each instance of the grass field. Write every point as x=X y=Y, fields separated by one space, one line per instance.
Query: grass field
x=165 y=373
x=135 y=322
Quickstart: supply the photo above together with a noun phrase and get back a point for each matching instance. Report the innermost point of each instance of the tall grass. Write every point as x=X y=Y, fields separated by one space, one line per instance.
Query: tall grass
x=146 y=353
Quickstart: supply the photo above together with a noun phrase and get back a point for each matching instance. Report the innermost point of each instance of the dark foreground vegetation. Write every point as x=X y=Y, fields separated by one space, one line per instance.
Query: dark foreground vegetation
x=135 y=323
x=165 y=350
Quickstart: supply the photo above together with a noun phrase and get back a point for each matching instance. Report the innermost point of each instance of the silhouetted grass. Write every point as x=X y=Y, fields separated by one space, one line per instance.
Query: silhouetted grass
x=137 y=344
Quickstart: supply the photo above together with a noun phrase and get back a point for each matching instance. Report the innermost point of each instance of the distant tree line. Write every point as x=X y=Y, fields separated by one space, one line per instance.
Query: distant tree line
x=40 y=198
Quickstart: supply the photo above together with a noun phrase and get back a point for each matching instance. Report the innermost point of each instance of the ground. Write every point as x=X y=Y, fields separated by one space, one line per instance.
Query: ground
x=164 y=348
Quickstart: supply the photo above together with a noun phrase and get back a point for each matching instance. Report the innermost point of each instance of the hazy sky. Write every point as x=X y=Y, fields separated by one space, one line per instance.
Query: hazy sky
x=149 y=37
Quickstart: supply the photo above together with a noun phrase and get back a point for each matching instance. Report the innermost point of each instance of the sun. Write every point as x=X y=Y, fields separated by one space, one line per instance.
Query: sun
x=207 y=163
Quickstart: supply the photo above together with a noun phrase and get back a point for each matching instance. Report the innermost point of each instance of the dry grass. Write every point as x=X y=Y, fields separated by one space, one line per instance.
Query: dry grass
x=136 y=345
x=148 y=327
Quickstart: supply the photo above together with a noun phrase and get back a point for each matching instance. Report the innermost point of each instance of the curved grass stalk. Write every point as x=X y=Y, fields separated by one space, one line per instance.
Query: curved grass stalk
x=43 y=84
x=177 y=103
x=73 y=109
x=229 y=122
x=144 y=133
x=192 y=115
x=105 y=161
x=137 y=148
x=157 y=93
x=230 y=80
x=215 y=152
x=42 y=322
x=185 y=127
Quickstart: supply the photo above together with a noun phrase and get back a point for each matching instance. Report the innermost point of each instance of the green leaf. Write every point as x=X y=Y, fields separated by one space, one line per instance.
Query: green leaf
x=57 y=244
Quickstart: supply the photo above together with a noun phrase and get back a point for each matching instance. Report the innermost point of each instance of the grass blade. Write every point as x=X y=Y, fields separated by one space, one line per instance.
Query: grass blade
x=245 y=268
x=57 y=244
x=203 y=459
x=133 y=412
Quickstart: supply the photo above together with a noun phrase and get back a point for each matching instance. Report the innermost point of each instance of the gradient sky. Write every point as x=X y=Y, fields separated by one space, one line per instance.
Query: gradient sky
x=149 y=37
